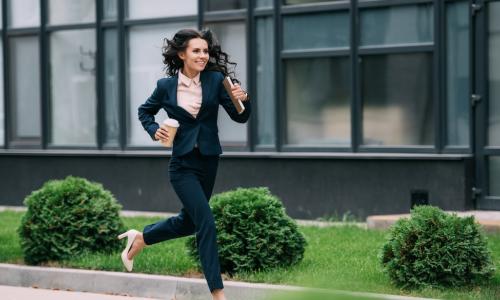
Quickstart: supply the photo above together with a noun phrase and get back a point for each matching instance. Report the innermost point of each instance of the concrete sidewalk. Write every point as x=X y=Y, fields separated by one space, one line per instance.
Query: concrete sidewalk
x=23 y=293
x=489 y=220
x=156 y=286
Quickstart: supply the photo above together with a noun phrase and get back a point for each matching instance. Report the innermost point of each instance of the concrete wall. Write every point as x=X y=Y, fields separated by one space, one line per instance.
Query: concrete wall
x=310 y=187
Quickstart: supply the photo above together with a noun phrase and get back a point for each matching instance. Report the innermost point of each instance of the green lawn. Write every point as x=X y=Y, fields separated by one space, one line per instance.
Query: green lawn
x=342 y=258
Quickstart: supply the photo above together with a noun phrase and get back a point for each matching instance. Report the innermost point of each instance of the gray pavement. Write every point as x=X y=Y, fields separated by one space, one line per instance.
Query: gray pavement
x=28 y=293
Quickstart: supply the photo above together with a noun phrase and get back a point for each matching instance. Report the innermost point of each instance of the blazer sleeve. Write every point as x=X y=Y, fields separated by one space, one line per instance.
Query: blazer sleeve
x=228 y=105
x=149 y=109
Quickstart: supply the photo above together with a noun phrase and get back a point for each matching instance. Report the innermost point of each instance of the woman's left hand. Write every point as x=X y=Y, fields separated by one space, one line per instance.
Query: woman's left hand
x=238 y=93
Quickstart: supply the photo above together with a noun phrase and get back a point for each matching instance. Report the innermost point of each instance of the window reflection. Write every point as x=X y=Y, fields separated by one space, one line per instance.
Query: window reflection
x=25 y=87
x=318 y=101
x=213 y=5
x=73 y=90
x=292 y=2
x=397 y=25
x=24 y=13
x=145 y=67
x=325 y=30
x=232 y=38
x=111 y=101
x=494 y=75
x=265 y=83
x=110 y=8
x=494 y=174
x=67 y=12
x=2 y=115
x=458 y=73
x=141 y=9
x=397 y=99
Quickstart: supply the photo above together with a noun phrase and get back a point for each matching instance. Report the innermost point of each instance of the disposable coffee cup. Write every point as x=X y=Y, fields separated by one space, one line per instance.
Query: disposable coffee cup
x=172 y=126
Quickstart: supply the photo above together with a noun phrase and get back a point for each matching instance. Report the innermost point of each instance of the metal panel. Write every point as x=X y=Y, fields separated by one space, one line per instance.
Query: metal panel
x=356 y=108
x=100 y=78
x=479 y=25
x=5 y=74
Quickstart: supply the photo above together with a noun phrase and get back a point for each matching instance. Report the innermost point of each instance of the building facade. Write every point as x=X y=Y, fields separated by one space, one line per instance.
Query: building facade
x=361 y=106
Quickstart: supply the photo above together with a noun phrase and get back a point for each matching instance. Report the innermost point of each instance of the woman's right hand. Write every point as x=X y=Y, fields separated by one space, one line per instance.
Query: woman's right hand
x=162 y=133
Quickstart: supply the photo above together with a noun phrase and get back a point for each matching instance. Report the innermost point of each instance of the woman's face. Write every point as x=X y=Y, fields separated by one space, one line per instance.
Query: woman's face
x=195 y=56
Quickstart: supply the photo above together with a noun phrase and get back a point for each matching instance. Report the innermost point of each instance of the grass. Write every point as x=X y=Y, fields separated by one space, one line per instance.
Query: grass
x=343 y=258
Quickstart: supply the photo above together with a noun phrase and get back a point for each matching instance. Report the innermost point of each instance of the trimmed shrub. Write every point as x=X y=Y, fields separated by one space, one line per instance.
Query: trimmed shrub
x=253 y=232
x=67 y=217
x=436 y=249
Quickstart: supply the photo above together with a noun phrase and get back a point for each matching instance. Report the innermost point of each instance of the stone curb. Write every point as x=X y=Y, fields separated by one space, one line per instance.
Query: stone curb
x=153 y=286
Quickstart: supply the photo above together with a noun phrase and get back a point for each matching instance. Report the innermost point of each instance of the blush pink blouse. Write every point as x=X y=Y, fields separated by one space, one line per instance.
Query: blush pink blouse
x=189 y=93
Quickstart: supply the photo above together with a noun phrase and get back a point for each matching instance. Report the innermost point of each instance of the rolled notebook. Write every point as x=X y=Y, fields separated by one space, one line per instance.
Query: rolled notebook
x=228 y=85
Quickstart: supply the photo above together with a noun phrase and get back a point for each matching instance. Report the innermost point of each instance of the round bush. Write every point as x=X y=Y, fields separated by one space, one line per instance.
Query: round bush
x=67 y=217
x=253 y=232
x=436 y=249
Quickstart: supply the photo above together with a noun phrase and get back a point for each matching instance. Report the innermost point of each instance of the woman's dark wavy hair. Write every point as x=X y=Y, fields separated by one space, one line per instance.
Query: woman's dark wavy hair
x=218 y=60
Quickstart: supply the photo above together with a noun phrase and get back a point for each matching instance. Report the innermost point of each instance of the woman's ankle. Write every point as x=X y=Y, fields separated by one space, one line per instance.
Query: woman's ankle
x=140 y=239
x=137 y=245
x=218 y=294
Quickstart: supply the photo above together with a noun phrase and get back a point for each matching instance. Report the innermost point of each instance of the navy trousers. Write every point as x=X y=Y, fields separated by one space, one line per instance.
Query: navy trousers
x=192 y=177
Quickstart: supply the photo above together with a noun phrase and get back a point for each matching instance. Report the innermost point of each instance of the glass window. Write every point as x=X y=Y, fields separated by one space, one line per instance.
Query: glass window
x=110 y=9
x=64 y=11
x=318 y=101
x=1 y=14
x=397 y=25
x=145 y=67
x=291 y=2
x=264 y=3
x=111 y=102
x=73 y=90
x=212 y=5
x=494 y=174
x=24 y=13
x=330 y=30
x=457 y=73
x=494 y=75
x=140 y=9
x=2 y=120
x=232 y=38
x=265 y=83
x=397 y=99
x=25 y=87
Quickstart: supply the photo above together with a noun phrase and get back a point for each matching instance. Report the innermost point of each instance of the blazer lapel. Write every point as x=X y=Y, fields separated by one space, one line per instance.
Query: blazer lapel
x=173 y=89
x=204 y=78
x=173 y=92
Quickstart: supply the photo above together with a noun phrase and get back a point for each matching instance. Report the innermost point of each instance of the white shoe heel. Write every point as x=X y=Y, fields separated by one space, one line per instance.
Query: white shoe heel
x=130 y=235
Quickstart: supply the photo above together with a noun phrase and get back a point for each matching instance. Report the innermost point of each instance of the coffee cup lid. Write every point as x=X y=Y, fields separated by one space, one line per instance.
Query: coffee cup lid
x=171 y=122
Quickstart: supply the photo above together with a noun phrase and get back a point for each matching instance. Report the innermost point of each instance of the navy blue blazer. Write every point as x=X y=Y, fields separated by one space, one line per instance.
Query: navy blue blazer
x=202 y=129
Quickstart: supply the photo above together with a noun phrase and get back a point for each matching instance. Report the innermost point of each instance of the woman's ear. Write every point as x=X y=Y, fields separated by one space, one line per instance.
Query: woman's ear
x=182 y=55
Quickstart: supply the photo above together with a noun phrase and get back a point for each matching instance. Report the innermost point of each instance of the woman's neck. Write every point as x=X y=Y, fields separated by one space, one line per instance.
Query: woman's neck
x=190 y=73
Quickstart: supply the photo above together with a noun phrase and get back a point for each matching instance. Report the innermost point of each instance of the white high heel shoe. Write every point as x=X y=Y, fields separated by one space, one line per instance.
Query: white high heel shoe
x=131 y=234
